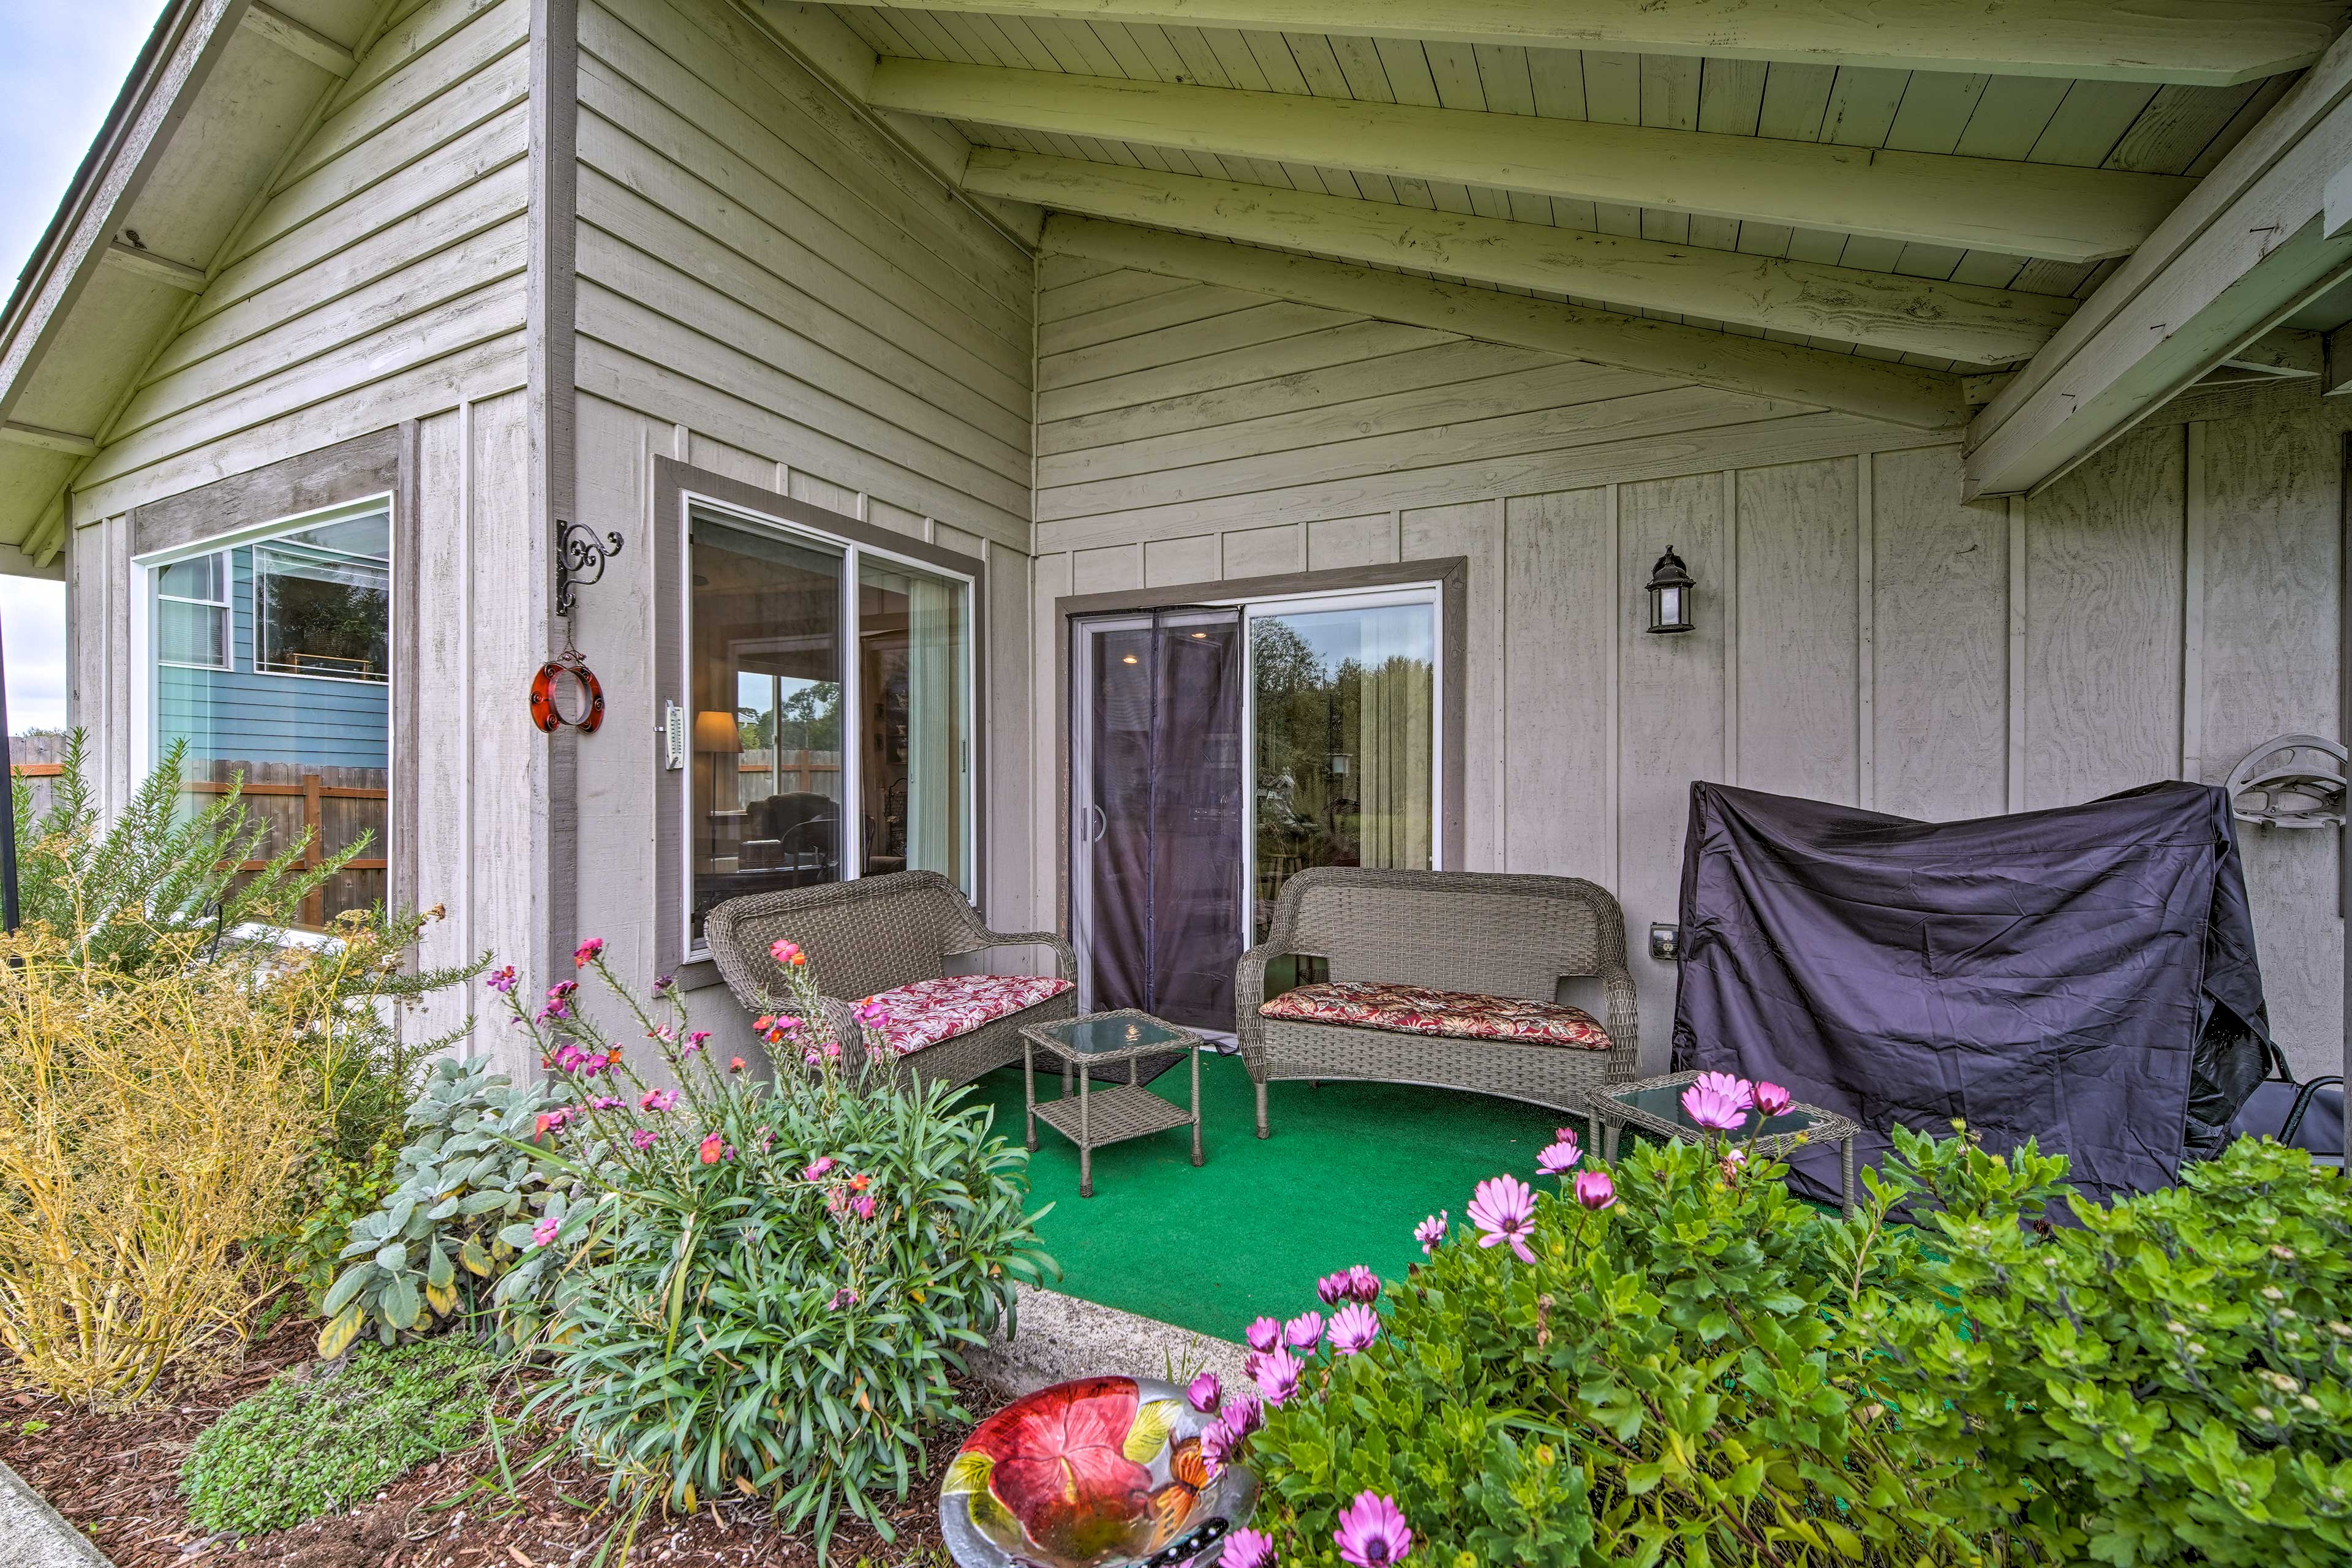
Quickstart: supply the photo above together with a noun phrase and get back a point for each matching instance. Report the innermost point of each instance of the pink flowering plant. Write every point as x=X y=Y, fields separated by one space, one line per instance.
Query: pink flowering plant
x=1637 y=1364
x=776 y=1280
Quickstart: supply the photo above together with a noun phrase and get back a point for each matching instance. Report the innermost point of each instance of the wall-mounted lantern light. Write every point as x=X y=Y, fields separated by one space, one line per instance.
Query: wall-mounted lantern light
x=1670 y=595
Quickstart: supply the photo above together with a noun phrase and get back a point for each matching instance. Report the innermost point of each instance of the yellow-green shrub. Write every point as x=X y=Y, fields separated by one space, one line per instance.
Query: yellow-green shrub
x=147 y=1129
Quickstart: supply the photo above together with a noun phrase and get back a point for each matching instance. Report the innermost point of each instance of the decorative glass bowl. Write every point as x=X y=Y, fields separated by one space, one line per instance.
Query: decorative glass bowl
x=1099 y=1473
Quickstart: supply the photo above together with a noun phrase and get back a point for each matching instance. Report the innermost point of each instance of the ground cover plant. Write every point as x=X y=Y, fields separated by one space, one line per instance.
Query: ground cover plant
x=322 y=1443
x=774 y=1282
x=1673 y=1361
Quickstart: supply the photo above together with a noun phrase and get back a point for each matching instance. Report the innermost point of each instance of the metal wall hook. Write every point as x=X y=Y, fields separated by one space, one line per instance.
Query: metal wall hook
x=580 y=558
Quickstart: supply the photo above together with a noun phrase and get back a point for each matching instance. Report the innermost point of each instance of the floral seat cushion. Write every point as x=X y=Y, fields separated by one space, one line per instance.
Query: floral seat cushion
x=1451 y=1015
x=931 y=1010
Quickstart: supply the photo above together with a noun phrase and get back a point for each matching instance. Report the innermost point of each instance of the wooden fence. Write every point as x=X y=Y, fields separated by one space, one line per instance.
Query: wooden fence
x=335 y=806
x=37 y=759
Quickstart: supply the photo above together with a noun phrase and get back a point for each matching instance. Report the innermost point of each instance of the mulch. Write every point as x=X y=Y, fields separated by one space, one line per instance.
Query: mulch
x=116 y=1476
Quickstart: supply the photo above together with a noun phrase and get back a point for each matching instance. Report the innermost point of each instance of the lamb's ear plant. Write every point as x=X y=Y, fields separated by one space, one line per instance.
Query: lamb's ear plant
x=776 y=1283
x=439 y=1245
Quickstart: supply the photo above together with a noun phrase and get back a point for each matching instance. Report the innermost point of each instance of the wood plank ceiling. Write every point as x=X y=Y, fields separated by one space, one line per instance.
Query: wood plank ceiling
x=2149 y=127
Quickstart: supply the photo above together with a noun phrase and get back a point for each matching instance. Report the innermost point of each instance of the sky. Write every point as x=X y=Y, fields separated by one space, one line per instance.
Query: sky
x=61 y=62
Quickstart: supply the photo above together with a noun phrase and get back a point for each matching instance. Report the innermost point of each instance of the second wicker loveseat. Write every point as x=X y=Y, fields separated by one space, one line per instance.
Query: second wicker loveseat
x=1494 y=946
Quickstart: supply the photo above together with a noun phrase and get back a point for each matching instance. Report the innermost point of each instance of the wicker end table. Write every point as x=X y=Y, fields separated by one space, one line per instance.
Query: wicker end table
x=1655 y=1105
x=1115 y=1113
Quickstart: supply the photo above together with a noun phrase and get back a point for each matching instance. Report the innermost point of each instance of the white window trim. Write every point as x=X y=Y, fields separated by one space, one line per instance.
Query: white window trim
x=145 y=570
x=226 y=604
x=853 y=817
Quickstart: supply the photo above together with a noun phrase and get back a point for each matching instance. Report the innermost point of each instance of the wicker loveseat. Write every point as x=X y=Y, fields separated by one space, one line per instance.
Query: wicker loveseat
x=1492 y=935
x=878 y=936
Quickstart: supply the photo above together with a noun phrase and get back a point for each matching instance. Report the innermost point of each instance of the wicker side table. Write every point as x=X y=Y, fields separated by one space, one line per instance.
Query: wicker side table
x=1115 y=1112
x=1654 y=1105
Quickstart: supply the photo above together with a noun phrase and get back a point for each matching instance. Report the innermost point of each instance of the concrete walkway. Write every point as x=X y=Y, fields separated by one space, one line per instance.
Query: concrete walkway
x=1062 y=1337
x=32 y=1535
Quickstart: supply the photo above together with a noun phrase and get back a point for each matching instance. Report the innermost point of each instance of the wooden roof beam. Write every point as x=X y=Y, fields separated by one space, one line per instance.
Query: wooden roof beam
x=2207 y=43
x=1875 y=389
x=2021 y=209
x=1976 y=325
x=2254 y=245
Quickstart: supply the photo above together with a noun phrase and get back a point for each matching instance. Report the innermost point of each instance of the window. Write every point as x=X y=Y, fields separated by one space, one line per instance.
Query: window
x=227 y=625
x=191 y=612
x=831 y=693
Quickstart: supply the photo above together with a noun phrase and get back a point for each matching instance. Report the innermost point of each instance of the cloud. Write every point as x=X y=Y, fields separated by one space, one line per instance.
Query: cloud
x=33 y=643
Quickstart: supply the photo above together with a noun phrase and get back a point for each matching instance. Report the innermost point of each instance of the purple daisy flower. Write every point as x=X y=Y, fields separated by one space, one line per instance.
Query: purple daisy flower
x=1243 y=1412
x=1353 y=1328
x=1504 y=1210
x=1263 y=1334
x=1594 y=1190
x=1278 y=1372
x=1372 y=1532
x=1218 y=1444
x=1715 y=1108
x=1558 y=1159
x=1332 y=1288
x=1247 y=1549
x=1363 y=1285
x=1431 y=1232
x=1204 y=1392
x=1304 y=1331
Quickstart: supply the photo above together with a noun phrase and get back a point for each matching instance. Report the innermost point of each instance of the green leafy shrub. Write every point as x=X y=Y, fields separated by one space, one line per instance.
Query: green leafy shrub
x=2170 y=1381
x=1663 y=1378
x=1677 y=1363
x=300 y=1449
x=431 y=1247
x=775 y=1282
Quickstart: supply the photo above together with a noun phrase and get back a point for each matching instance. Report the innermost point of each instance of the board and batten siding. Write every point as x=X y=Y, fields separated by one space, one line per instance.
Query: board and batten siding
x=1863 y=636
x=381 y=281
x=771 y=289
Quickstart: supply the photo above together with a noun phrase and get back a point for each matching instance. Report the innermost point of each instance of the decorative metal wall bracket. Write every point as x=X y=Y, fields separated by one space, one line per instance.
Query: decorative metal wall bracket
x=580 y=558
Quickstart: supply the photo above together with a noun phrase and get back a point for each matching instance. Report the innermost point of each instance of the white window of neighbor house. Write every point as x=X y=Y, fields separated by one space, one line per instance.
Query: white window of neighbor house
x=267 y=659
x=830 y=692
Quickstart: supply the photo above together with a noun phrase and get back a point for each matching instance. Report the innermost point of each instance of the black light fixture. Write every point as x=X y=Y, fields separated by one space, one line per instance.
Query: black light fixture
x=1670 y=595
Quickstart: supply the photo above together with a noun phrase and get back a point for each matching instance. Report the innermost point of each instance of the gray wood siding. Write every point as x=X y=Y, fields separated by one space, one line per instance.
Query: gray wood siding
x=1863 y=638
x=380 y=279
x=769 y=288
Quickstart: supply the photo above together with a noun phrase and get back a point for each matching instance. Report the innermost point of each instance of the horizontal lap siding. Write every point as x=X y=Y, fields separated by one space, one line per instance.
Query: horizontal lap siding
x=769 y=290
x=1854 y=637
x=755 y=266
x=381 y=278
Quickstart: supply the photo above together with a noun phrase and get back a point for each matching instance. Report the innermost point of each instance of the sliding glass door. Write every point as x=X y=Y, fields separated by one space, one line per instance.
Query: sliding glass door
x=832 y=690
x=1218 y=752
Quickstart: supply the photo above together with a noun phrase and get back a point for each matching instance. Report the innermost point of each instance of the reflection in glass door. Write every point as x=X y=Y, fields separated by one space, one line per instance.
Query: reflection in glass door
x=1344 y=700
x=1156 y=812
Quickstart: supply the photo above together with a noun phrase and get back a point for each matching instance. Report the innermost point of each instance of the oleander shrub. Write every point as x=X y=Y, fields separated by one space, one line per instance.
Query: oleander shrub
x=775 y=1281
x=323 y=1443
x=431 y=1247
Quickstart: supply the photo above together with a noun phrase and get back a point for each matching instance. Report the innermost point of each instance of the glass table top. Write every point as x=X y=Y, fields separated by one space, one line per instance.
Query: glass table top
x=1666 y=1103
x=1094 y=1037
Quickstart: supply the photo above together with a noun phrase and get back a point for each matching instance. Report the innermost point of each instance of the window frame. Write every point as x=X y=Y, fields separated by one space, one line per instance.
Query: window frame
x=226 y=604
x=695 y=501
x=146 y=571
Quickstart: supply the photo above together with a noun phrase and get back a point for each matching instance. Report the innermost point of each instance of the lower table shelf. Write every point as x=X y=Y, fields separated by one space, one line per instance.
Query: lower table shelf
x=1115 y=1113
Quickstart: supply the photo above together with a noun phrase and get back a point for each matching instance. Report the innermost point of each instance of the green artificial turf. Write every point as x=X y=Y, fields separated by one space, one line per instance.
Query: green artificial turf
x=1350 y=1170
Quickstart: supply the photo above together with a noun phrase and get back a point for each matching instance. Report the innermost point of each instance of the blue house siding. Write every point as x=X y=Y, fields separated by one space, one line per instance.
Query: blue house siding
x=241 y=715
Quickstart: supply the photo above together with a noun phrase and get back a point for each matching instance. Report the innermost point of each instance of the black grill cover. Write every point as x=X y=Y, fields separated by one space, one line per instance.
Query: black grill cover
x=2085 y=976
